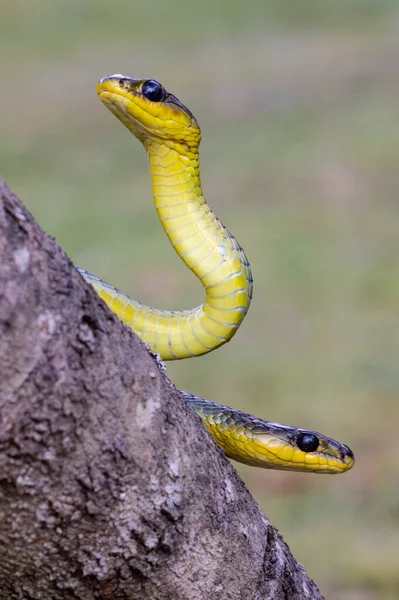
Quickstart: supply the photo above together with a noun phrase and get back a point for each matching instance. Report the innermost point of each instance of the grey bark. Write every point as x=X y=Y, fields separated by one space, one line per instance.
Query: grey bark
x=110 y=487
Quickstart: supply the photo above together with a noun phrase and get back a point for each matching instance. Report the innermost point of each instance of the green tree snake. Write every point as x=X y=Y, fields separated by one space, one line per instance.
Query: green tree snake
x=171 y=137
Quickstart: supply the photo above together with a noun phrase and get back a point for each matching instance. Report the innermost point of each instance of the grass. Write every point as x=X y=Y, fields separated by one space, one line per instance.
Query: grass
x=298 y=107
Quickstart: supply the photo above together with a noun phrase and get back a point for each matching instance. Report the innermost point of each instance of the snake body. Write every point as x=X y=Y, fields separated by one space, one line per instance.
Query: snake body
x=171 y=136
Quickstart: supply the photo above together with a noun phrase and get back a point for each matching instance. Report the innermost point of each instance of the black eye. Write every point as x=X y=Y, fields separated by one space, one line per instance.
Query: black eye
x=152 y=90
x=307 y=442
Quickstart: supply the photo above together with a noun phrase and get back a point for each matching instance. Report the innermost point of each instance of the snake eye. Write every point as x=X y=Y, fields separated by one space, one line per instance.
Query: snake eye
x=307 y=442
x=152 y=90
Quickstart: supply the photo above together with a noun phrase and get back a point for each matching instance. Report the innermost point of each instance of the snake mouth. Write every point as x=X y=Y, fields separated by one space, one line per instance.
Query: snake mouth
x=317 y=462
x=342 y=465
x=128 y=112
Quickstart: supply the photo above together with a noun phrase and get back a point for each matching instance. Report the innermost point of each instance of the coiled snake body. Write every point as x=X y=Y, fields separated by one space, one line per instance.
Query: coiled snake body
x=171 y=136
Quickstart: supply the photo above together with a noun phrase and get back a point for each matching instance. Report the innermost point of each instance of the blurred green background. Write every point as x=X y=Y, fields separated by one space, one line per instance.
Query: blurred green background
x=298 y=104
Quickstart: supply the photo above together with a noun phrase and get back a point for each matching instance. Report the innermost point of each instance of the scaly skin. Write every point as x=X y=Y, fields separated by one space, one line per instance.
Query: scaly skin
x=258 y=443
x=171 y=137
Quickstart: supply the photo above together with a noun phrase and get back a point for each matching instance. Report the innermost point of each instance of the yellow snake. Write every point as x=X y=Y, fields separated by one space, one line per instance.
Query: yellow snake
x=171 y=136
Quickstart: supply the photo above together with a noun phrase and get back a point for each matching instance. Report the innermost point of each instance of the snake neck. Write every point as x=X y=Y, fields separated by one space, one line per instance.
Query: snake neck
x=188 y=220
x=203 y=243
x=206 y=247
x=179 y=199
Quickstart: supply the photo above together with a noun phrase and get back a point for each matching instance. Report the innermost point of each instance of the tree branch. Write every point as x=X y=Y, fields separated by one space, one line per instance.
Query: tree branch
x=110 y=487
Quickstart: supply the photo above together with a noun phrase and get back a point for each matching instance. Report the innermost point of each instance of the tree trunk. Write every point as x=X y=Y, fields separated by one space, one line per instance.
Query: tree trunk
x=110 y=487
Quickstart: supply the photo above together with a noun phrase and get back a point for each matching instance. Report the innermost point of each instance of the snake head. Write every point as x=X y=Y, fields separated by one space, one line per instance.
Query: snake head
x=292 y=449
x=150 y=112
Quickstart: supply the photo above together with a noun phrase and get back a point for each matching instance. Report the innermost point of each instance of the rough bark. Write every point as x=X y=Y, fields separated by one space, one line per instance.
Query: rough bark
x=110 y=487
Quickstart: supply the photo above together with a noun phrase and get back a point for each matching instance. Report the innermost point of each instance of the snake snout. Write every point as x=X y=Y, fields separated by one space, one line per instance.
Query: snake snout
x=346 y=455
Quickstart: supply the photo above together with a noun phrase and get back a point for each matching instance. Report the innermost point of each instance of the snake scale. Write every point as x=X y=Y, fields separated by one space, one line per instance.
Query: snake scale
x=171 y=136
